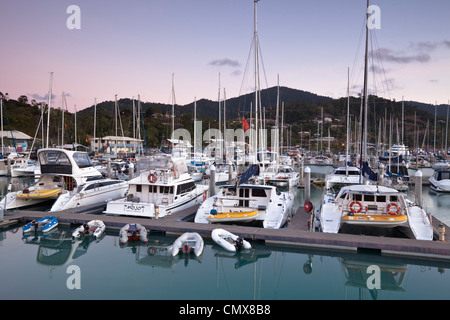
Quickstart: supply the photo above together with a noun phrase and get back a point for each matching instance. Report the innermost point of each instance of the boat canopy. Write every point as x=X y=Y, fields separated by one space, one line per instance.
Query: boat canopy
x=59 y=161
x=164 y=163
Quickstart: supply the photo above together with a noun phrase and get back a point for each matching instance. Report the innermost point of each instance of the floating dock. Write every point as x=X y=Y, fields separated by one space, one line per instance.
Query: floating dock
x=295 y=234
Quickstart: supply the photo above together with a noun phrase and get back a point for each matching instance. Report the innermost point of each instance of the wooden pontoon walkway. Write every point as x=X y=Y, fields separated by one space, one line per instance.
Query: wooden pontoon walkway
x=296 y=234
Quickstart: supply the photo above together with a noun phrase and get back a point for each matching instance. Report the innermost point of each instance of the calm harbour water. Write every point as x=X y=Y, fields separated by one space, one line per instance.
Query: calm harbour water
x=52 y=267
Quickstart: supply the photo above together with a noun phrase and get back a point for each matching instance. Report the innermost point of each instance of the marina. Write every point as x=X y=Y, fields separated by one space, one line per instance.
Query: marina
x=296 y=233
x=255 y=207
x=290 y=263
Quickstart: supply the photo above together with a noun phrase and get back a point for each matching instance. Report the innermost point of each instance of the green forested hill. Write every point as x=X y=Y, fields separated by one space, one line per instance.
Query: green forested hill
x=302 y=110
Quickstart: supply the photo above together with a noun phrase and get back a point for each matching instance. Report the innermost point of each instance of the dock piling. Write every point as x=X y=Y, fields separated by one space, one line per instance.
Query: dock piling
x=418 y=188
x=307 y=181
x=212 y=180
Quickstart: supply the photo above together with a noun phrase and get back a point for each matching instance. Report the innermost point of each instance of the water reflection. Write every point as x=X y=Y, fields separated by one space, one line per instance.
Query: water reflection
x=264 y=272
x=57 y=248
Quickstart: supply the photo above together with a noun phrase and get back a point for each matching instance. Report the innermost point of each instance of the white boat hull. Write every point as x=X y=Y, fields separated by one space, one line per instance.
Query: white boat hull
x=125 y=207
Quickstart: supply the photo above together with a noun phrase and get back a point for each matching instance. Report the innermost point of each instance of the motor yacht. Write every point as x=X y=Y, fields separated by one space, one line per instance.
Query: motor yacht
x=68 y=180
x=166 y=187
x=440 y=181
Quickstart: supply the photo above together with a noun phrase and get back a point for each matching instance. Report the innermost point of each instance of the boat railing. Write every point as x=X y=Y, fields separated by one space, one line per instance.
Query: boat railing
x=373 y=208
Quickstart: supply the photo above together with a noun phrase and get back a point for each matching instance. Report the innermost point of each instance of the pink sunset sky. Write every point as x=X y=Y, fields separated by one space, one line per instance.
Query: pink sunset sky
x=132 y=48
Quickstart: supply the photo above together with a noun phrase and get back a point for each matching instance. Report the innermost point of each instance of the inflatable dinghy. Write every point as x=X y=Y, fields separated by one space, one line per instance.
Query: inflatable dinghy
x=188 y=242
x=94 y=228
x=132 y=232
x=229 y=241
x=43 y=224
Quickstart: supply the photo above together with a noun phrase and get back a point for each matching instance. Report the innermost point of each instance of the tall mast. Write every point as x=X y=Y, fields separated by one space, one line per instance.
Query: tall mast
x=62 y=125
x=363 y=150
x=348 y=118
x=446 y=130
x=49 y=105
x=95 y=121
x=403 y=120
x=277 y=135
x=256 y=71
x=173 y=105
x=75 y=107
x=115 y=113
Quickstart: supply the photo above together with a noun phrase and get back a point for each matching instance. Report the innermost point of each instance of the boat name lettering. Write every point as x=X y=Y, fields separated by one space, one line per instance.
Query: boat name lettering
x=133 y=208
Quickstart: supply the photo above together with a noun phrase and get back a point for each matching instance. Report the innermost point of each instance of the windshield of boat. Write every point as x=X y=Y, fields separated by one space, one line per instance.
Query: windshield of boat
x=82 y=159
x=53 y=158
x=443 y=175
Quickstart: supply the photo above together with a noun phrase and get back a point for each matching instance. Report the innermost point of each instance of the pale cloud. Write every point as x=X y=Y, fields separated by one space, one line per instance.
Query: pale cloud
x=225 y=62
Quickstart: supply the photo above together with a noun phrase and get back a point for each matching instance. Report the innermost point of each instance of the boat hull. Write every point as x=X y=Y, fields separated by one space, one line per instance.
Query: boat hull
x=384 y=221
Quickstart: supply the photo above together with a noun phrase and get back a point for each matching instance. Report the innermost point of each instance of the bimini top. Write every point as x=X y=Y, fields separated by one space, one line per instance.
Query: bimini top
x=363 y=188
x=60 y=161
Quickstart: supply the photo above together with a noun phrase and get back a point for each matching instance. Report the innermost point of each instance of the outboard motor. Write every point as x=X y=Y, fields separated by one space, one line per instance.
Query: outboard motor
x=86 y=229
x=187 y=248
x=239 y=244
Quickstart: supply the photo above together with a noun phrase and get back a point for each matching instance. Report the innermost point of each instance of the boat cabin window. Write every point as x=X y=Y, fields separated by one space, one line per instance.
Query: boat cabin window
x=369 y=198
x=443 y=175
x=357 y=197
x=138 y=188
x=244 y=193
x=108 y=183
x=393 y=198
x=54 y=162
x=91 y=186
x=259 y=193
x=381 y=198
x=186 y=187
x=166 y=189
x=229 y=191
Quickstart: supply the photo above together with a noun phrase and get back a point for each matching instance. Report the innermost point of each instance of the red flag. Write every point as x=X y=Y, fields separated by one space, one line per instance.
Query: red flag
x=245 y=124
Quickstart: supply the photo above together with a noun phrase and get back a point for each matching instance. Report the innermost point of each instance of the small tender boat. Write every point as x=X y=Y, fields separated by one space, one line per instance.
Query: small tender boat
x=39 y=193
x=93 y=228
x=43 y=224
x=229 y=241
x=232 y=216
x=188 y=242
x=133 y=232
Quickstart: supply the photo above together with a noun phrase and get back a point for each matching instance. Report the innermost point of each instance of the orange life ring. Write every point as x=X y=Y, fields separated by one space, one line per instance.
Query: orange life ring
x=353 y=209
x=152 y=178
x=397 y=210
